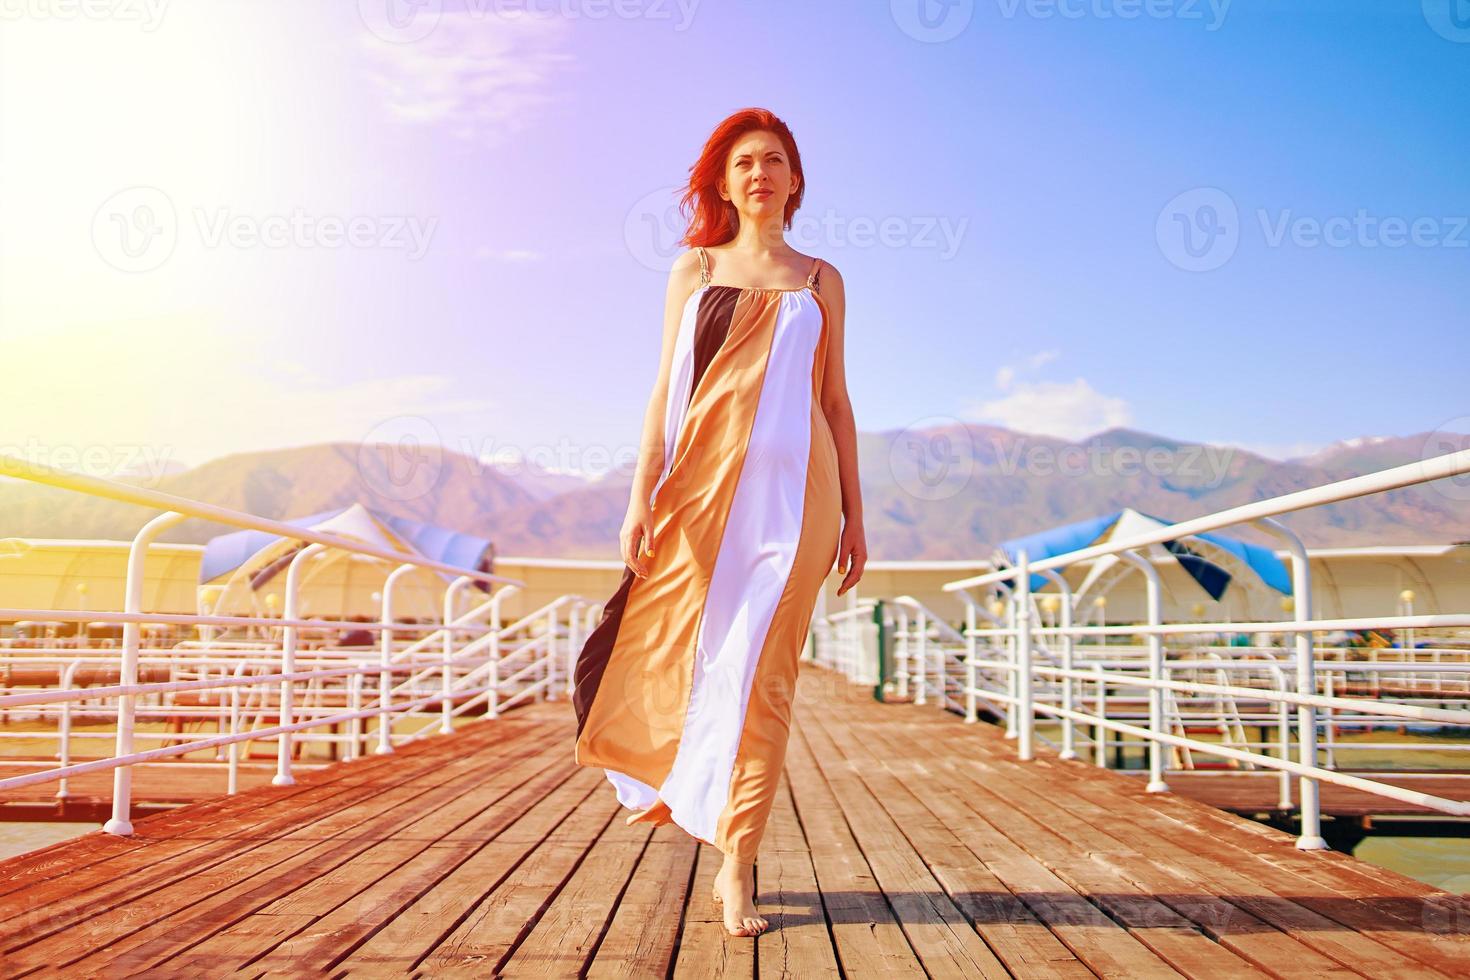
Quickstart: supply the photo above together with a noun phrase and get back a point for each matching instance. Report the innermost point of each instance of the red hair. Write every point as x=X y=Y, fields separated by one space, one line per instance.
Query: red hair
x=714 y=218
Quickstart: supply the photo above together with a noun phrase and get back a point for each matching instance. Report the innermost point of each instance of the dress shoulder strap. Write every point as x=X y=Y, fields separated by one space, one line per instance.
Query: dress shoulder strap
x=811 y=279
x=703 y=266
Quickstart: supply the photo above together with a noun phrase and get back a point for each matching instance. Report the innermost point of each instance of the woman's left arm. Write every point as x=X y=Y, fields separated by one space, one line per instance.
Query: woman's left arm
x=852 y=551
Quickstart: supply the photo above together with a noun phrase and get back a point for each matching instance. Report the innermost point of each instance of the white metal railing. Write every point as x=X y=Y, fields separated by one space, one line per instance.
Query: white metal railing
x=244 y=679
x=1180 y=679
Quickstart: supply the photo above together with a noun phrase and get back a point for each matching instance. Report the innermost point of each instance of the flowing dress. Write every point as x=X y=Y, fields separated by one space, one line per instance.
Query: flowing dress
x=683 y=691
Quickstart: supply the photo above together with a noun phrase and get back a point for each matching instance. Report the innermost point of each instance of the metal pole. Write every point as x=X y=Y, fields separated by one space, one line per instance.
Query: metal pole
x=1100 y=737
x=1306 y=683
x=1024 y=711
x=446 y=688
x=1156 y=782
x=289 y=636
x=385 y=662
x=122 y=777
x=971 y=715
x=1069 y=727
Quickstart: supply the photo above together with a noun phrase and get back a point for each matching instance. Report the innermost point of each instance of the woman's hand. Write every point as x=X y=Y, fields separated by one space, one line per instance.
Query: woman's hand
x=637 y=536
x=852 y=551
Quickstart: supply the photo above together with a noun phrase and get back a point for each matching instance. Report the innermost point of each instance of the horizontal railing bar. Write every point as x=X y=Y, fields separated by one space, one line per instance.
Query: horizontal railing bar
x=96 y=486
x=1457 y=807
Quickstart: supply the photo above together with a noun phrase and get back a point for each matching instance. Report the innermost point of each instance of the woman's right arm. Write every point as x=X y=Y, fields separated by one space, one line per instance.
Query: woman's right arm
x=638 y=524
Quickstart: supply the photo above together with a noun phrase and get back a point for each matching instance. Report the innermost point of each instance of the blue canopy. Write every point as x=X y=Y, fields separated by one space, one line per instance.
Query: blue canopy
x=1094 y=530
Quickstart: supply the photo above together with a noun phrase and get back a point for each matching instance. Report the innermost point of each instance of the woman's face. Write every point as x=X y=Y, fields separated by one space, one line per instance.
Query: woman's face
x=758 y=178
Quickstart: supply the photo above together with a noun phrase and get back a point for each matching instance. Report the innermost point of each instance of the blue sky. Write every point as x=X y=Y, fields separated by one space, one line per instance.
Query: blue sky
x=1094 y=213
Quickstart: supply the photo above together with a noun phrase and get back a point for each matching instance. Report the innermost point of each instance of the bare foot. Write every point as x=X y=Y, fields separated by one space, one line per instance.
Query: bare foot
x=735 y=891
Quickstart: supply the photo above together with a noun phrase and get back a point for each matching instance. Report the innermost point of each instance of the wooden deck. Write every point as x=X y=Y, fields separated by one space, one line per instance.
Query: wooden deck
x=903 y=841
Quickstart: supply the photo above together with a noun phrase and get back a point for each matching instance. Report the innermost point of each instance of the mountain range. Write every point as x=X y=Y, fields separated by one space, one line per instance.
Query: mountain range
x=945 y=492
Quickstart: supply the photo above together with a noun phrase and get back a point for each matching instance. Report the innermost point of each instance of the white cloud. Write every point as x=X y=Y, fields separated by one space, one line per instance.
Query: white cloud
x=1068 y=410
x=476 y=74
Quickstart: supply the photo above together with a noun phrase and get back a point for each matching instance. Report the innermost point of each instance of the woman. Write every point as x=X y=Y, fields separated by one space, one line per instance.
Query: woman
x=747 y=473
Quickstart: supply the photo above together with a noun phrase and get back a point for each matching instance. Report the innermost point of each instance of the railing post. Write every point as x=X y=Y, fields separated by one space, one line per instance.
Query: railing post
x=385 y=662
x=285 y=742
x=1012 y=693
x=923 y=657
x=547 y=692
x=354 y=706
x=971 y=713
x=492 y=678
x=446 y=688
x=1069 y=727
x=902 y=661
x=1306 y=683
x=880 y=622
x=122 y=777
x=1283 y=738
x=1156 y=782
x=1025 y=717
x=68 y=682
x=1100 y=738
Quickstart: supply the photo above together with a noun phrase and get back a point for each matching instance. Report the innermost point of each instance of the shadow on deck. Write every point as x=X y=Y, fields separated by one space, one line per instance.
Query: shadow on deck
x=903 y=841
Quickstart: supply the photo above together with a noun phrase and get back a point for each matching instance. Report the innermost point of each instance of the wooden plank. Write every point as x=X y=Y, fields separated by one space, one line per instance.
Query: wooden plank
x=177 y=851
x=944 y=940
x=641 y=939
x=901 y=841
x=1140 y=894
x=865 y=931
x=568 y=932
x=1097 y=940
x=66 y=858
x=1391 y=916
x=797 y=943
x=1169 y=935
x=345 y=905
x=1024 y=944
x=406 y=940
x=301 y=845
x=706 y=950
x=1229 y=864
